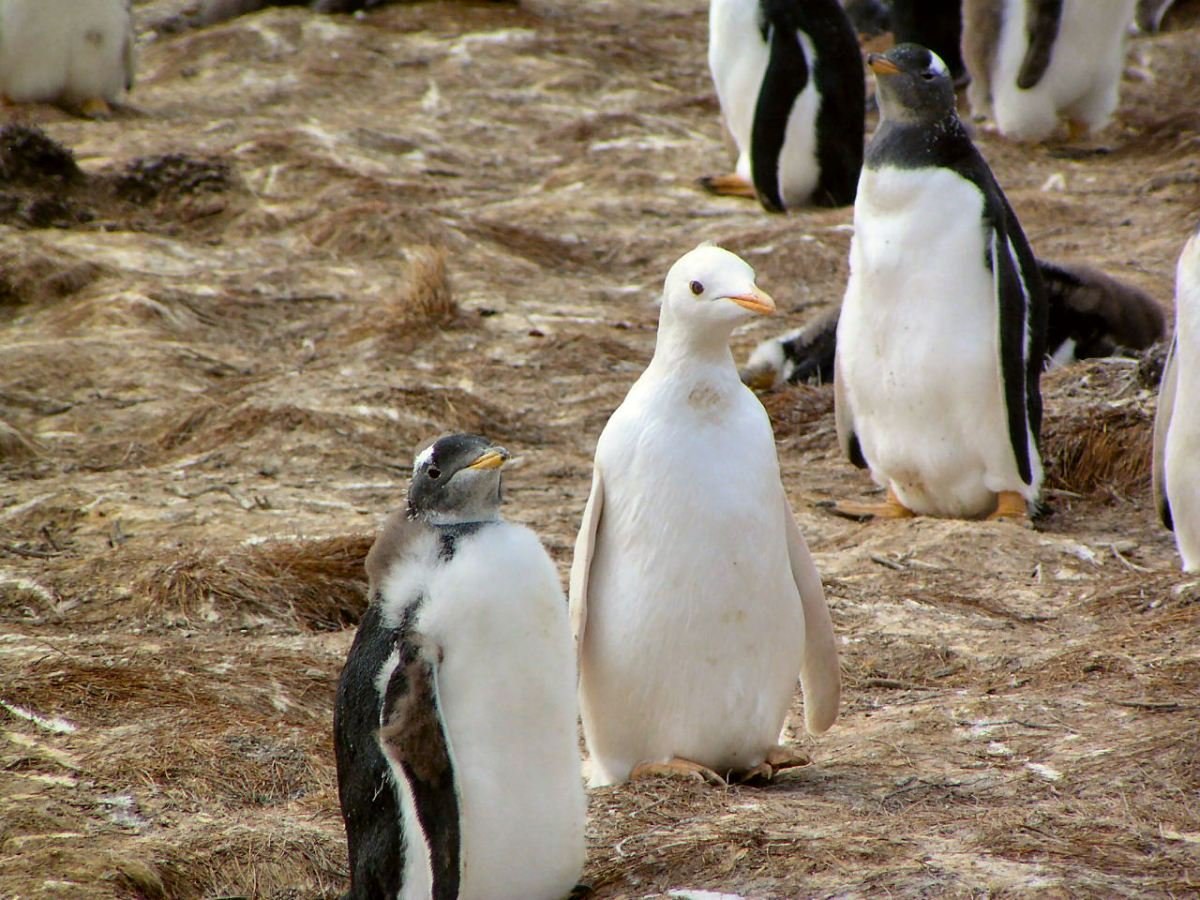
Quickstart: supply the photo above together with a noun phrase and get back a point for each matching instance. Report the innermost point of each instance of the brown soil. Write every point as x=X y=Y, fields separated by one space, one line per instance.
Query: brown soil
x=307 y=244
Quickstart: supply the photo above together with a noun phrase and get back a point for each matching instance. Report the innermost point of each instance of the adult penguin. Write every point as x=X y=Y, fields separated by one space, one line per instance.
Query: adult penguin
x=455 y=719
x=941 y=337
x=1177 y=419
x=77 y=53
x=694 y=598
x=789 y=79
x=1036 y=62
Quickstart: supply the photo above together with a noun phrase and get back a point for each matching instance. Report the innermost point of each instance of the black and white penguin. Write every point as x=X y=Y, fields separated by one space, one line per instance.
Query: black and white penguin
x=942 y=332
x=1089 y=314
x=936 y=24
x=1177 y=419
x=694 y=597
x=455 y=721
x=1034 y=63
x=789 y=79
x=78 y=53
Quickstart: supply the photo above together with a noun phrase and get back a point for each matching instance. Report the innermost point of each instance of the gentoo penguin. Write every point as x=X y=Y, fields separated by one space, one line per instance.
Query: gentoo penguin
x=942 y=333
x=936 y=24
x=1090 y=314
x=694 y=598
x=455 y=720
x=789 y=79
x=1035 y=62
x=1177 y=420
x=79 y=53
x=1150 y=14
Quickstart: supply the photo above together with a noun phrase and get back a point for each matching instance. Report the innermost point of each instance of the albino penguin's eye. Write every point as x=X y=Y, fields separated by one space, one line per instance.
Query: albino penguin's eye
x=697 y=288
x=434 y=472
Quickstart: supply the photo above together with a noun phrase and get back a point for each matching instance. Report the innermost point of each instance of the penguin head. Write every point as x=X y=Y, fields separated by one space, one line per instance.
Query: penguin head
x=710 y=290
x=912 y=84
x=457 y=479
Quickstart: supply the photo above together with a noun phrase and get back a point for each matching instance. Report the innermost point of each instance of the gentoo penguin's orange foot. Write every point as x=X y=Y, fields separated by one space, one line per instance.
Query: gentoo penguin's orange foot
x=728 y=186
x=891 y=508
x=95 y=108
x=677 y=768
x=778 y=758
x=1076 y=129
x=1010 y=505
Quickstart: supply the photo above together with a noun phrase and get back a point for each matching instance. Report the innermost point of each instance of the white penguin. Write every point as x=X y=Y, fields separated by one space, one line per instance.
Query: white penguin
x=79 y=53
x=694 y=598
x=941 y=339
x=1177 y=420
x=455 y=719
x=1035 y=62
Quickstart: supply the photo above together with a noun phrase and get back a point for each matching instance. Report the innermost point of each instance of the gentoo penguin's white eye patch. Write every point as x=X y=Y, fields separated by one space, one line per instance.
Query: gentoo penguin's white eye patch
x=423 y=457
x=697 y=288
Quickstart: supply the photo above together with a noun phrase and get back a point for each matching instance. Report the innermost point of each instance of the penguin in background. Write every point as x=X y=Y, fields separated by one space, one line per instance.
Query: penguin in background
x=789 y=78
x=77 y=53
x=1176 y=467
x=1034 y=63
x=941 y=338
x=936 y=24
x=455 y=718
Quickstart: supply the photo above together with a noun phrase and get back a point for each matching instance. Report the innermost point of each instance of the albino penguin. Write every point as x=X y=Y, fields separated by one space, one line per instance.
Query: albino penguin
x=79 y=53
x=1177 y=420
x=694 y=598
x=789 y=78
x=941 y=339
x=455 y=719
x=1036 y=62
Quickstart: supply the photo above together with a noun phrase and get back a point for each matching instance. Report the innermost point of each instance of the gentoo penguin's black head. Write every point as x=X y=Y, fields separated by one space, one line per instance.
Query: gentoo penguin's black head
x=457 y=479
x=913 y=84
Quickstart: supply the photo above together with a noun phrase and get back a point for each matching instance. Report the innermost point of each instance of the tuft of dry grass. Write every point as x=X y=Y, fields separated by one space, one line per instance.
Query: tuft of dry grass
x=318 y=584
x=15 y=445
x=1097 y=432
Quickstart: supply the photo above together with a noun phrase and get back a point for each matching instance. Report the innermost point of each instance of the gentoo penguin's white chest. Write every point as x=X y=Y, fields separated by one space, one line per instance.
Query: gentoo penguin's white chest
x=918 y=342
x=695 y=630
x=71 y=50
x=1182 y=447
x=506 y=686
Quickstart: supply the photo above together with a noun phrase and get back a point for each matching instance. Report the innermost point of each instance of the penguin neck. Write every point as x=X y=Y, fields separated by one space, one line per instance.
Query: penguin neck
x=689 y=346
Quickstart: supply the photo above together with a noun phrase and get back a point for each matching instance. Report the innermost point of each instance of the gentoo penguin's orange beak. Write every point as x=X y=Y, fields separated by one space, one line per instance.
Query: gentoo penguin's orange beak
x=757 y=301
x=491 y=458
x=881 y=65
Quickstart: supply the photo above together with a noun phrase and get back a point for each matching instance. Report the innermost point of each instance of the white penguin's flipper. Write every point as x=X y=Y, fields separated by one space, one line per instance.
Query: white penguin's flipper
x=820 y=675
x=1162 y=420
x=581 y=562
x=413 y=739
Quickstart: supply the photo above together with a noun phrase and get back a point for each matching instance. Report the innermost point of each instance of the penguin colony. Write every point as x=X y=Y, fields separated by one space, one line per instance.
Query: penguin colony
x=694 y=603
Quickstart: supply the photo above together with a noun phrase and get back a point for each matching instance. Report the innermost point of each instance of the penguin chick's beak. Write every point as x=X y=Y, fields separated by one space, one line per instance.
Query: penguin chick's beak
x=491 y=458
x=881 y=65
x=757 y=301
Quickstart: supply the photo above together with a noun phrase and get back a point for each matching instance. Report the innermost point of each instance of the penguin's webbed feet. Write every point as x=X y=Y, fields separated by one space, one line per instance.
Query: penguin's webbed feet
x=1011 y=505
x=730 y=185
x=677 y=768
x=95 y=108
x=891 y=508
x=778 y=759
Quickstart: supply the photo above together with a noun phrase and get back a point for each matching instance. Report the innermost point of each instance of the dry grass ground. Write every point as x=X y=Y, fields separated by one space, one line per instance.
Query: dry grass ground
x=307 y=244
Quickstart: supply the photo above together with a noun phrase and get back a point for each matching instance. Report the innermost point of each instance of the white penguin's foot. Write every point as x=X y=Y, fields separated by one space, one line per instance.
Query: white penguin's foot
x=677 y=768
x=95 y=108
x=1010 y=505
x=778 y=758
x=891 y=508
x=728 y=186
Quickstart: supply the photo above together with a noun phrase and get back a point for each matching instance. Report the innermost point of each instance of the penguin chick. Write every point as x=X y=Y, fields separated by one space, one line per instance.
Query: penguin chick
x=1034 y=63
x=1091 y=314
x=941 y=338
x=790 y=83
x=1177 y=420
x=694 y=598
x=78 y=53
x=455 y=717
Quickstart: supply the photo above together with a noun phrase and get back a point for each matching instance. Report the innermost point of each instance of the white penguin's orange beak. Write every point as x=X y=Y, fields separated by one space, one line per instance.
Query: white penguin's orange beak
x=757 y=301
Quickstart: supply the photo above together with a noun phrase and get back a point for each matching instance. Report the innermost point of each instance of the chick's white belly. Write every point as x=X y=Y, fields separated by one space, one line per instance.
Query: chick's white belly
x=68 y=49
x=919 y=354
x=1181 y=463
x=695 y=631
